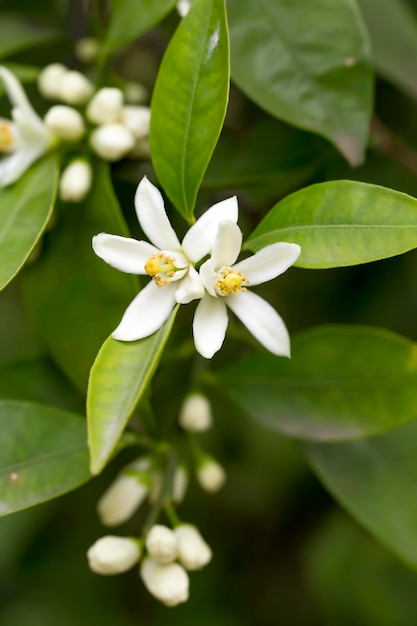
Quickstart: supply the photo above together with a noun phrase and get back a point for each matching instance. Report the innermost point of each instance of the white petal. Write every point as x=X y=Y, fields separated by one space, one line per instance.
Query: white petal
x=17 y=96
x=13 y=166
x=199 y=240
x=208 y=277
x=269 y=262
x=209 y=325
x=190 y=287
x=146 y=313
x=123 y=253
x=227 y=245
x=261 y=319
x=152 y=217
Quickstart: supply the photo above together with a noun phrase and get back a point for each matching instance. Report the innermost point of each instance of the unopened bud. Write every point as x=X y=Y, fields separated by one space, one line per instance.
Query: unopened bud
x=210 y=474
x=179 y=484
x=75 y=88
x=183 y=6
x=135 y=93
x=105 y=107
x=161 y=544
x=168 y=583
x=65 y=122
x=113 y=555
x=137 y=119
x=195 y=413
x=193 y=552
x=49 y=80
x=75 y=181
x=112 y=141
x=87 y=49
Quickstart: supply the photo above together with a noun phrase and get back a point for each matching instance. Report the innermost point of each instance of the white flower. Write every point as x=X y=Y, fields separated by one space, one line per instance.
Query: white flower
x=168 y=583
x=125 y=494
x=105 y=107
x=161 y=544
x=65 y=122
x=210 y=474
x=49 y=80
x=195 y=413
x=26 y=138
x=113 y=555
x=112 y=141
x=193 y=552
x=226 y=284
x=75 y=181
x=183 y=6
x=169 y=262
x=75 y=88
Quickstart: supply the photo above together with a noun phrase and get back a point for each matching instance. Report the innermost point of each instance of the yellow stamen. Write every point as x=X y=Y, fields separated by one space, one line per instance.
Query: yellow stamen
x=6 y=136
x=231 y=282
x=161 y=268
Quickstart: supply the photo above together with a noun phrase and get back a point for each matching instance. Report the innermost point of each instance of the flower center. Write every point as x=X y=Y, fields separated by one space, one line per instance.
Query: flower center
x=230 y=282
x=161 y=268
x=6 y=136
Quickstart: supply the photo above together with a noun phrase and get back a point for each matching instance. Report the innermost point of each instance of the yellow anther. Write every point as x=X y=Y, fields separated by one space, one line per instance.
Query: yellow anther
x=6 y=136
x=231 y=282
x=152 y=266
x=161 y=268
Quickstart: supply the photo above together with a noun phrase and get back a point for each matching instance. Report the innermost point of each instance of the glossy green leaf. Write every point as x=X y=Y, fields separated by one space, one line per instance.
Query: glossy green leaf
x=341 y=383
x=341 y=223
x=189 y=102
x=17 y=35
x=392 y=26
x=307 y=63
x=43 y=454
x=77 y=299
x=119 y=378
x=25 y=209
x=375 y=481
x=132 y=18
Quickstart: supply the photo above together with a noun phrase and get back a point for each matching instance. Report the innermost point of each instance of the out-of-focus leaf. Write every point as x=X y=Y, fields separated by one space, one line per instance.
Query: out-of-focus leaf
x=132 y=18
x=43 y=454
x=341 y=383
x=17 y=35
x=375 y=481
x=341 y=223
x=307 y=63
x=18 y=341
x=189 y=102
x=392 y=26
x=25 y=209
x=75 y=297
x=119 y=378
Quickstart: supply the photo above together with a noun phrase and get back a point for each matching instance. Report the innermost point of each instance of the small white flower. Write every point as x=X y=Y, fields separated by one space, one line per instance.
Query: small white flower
x=183 y=6
x=195 y=413
x=210 y=474
x=49 y=80
x=161 y=544
x=226 y=284
x=113 y=555
x=168 y=583
x=137 y=119
x=75 y=88
x=112 y=141
x=105 y=107
x=26 y=138
x=169 y=262
x=65 y=122
x=75 y=181
x=193 y=552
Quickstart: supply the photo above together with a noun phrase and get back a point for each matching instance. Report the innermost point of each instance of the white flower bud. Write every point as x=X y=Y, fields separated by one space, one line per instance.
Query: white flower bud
x=210 y=475
x=87 y=49
x=168 y=583
x=179 y=484
x=65 y=122
x=75 y=88
x=135 y=93
x=193 y=551
x=137 y=119
x=195 y=413
x=75 y=181
x=113 y=555
x=112 y=141
x=183 y=6
x=49 y=80
x=105 y=107
x=161 y=544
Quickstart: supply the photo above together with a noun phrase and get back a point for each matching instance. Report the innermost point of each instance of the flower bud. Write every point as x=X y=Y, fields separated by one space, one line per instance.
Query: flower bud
x=195 y=413
x=168 y=583
x=112 y=141
x=87 y=49
x=49 y=80
x=113 y=555
x=210 y=474
x=179 y=484
x=135 y=93
x=193 y=551
x=183 y=6
x=161 y=544
x=105 y=107
x=75 y=182
x=65 y=122
x=137 y=119
x=75 y=88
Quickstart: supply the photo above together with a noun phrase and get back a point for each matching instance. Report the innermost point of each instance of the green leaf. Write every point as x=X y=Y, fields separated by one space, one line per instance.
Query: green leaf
x=119 y=378
x=189 y=102
x=43 y=454
x=77 y=299
x=341 y=223
x=132 y=18
x=341 y=383
x=25 y=209
x=307 y=64
x=17 y=35
x=375 y=481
